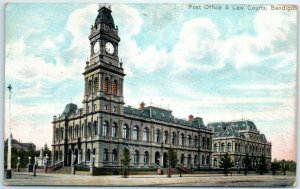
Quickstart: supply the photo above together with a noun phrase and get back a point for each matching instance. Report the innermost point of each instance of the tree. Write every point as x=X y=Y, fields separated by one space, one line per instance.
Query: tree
x=274 y=166
x=126 y=161
x=172 y=159
x=262 y=165
x=283 y=167
x=247 y=164
x=226 y=163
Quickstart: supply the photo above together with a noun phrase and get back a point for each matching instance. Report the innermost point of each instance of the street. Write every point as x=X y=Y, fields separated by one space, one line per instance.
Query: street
x=23 y=178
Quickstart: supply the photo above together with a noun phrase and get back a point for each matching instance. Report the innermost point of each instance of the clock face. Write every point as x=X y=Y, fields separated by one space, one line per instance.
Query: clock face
x=109 y=48
x=96 y=47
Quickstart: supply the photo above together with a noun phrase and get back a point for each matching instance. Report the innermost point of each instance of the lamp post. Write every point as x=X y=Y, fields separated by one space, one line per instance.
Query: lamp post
x=8 y=170
x=18 y=165
x=34 y=167
x=29 y=169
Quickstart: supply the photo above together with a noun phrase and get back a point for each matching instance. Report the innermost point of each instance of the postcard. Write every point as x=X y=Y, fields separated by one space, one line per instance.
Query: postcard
x=150 y=94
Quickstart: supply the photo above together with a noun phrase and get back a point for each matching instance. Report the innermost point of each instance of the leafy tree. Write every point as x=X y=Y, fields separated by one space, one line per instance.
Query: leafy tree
x=274 y=166
x=283 y=167
x=262 y=165
x=126 y=161
x=172 y=157
x=47 y=151
x=247 y=164
x=226 y=163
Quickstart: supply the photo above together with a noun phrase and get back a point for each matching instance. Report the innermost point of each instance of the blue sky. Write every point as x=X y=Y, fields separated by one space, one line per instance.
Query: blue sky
x=216 y=64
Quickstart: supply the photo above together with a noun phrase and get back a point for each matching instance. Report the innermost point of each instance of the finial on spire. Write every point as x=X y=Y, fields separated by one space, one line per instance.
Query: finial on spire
x=9 y=87
x=106 y=5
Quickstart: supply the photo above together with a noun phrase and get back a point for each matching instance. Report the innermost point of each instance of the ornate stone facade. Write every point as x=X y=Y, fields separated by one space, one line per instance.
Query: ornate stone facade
x=100 y=130
x=238 y=138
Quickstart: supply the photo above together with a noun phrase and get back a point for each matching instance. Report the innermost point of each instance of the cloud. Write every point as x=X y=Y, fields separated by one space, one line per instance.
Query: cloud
x=148 y=59
x=266 y=86
x=200 y=46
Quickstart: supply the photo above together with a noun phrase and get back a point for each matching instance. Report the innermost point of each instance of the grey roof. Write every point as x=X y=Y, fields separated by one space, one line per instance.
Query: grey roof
x=235 y=129
x=162 y=114
x=104 y=16
x=70 y=109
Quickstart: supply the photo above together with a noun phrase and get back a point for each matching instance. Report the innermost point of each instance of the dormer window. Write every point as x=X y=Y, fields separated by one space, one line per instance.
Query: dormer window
x=163 y=116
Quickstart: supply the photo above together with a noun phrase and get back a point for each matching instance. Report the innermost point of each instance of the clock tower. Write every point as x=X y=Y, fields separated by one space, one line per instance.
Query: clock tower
x=104 y=73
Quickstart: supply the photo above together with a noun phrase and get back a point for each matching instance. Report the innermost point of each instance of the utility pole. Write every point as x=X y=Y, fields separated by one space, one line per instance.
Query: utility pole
x=8 y=170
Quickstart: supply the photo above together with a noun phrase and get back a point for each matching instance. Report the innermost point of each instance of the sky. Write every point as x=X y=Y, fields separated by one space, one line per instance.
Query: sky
x=220 y=65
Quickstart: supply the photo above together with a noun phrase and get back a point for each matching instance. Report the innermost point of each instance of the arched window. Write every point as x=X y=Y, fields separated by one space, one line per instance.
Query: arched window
x=181 y=139
x=189 y=138
x=125 y=132
x=156 y=136
x=195 y=160
x=95 y=128
x=90 y=87
x=105 y=155
x=189 y=160
x=57 y=134
x=203 y=142
x=196 y=141
x=114 y=130
x=203 y=160
x=229 y=147
x=104 y=128
x=146 y=135
x=136 y=157
x=222 y=147
x=207 y=143
x=77 y=131
x=173 y=138
x=135 y=133
x=88 y=155
x=146 y=158
x=166 y=137
x=114 y=155
x=207 y=160
x=89 y=129
x=216 y=147
x=115 y=88
x=215 y=162
x=95 y=88
x=82 y=130
x=106 y=86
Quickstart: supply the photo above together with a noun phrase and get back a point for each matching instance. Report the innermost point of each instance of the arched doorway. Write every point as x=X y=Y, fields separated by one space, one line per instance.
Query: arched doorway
x=157 y=158
x=76 y=157
x=69 y=158
x=165 y=160
x=182 y=159
x=88 y=155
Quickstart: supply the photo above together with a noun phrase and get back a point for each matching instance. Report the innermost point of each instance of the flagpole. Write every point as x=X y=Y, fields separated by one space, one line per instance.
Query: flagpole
x=8 y=170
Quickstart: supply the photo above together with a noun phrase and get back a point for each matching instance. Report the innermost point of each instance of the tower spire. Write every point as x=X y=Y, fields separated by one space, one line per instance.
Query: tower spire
x=106 y=5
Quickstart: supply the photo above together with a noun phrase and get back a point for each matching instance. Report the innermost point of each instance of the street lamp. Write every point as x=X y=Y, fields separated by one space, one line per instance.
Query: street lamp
x=8 y=169
x=34 y=167
x=18 y=165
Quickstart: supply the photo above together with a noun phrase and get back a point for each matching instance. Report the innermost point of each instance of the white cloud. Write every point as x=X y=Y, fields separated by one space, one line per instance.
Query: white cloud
x=148 y=59
x=200 y=46
x=265 y=86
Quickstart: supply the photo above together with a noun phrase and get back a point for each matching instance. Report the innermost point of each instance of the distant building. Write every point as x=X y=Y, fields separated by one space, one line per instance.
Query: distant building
x=238 y=138
x=20 y=145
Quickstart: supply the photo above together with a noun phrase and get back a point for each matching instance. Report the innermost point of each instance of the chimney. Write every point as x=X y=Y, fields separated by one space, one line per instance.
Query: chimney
x=142 y=105
x=191 y=117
